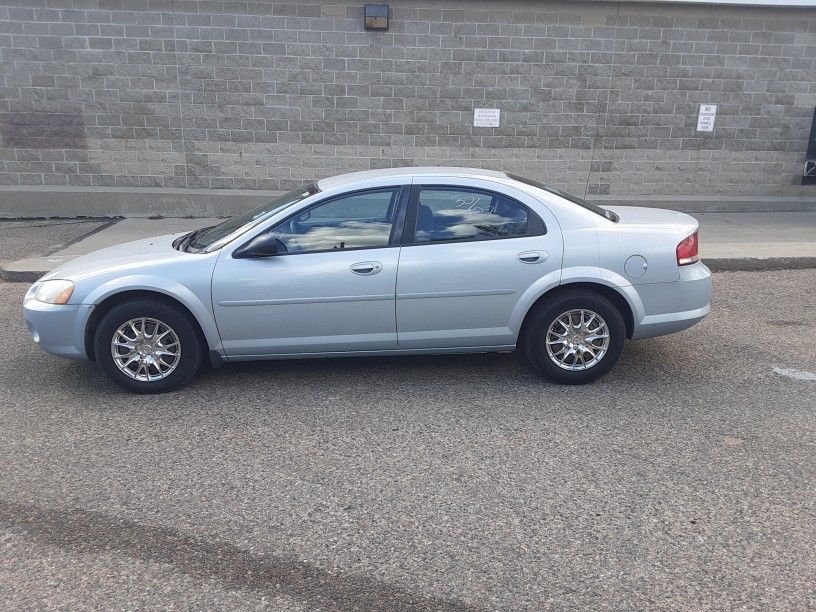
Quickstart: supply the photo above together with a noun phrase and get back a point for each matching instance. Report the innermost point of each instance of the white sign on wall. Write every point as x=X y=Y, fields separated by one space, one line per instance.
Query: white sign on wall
x=486 y=117
x=705 y=118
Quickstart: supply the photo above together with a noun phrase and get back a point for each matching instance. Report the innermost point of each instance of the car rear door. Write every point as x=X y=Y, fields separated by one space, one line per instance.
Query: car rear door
x=471 y=249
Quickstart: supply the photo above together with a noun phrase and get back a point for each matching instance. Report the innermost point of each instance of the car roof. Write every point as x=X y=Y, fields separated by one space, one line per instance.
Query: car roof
x=384 y=173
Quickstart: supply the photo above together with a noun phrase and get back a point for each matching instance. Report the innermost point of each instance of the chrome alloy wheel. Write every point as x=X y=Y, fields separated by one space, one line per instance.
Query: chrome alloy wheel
x=577 y=340
x=146 y=349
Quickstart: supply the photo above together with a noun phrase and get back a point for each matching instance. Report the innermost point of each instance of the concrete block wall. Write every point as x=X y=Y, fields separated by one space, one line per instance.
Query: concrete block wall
x=599 y=98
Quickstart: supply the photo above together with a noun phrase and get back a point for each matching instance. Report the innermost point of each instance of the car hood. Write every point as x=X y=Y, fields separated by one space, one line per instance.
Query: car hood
x=125 y=257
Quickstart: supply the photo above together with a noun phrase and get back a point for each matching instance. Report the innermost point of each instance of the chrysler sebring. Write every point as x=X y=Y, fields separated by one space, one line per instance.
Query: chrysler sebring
x=382 y=262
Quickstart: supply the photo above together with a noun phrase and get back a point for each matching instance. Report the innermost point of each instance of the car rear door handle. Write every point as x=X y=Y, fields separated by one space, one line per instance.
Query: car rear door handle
x=366 y=268
x=533 y=256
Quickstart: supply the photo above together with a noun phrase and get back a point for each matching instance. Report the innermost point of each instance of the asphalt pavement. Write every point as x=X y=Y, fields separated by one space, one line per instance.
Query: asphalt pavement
x=683 y=480
x=19 y=239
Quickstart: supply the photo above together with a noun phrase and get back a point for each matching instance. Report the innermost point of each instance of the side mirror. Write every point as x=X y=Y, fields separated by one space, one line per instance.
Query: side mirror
x=263 y=245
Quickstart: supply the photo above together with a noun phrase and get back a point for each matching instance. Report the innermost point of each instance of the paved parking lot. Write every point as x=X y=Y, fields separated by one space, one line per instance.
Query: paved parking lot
x=20 y=239
x=683 y=480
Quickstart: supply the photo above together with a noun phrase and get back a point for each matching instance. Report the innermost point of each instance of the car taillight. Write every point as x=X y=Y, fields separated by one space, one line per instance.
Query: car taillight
x=688 y=251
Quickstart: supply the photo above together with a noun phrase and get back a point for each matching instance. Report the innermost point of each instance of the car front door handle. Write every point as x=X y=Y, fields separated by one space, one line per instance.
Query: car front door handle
x=532 y=257
x=366 y=268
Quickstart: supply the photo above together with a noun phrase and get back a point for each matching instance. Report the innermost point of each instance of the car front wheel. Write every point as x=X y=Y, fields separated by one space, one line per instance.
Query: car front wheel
x=147 y=346
x=574 y=339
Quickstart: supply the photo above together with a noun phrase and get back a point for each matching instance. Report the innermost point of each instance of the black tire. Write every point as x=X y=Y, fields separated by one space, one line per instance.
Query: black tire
x=534 y=345
x=192 y=348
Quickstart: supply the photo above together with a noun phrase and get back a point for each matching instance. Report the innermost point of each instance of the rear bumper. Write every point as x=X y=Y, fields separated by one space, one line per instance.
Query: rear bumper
x=673 y=307
x=58 y=330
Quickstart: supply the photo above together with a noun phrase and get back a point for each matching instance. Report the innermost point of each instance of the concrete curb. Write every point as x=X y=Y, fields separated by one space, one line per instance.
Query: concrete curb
x=13 y=276
x=759 y=264
x=9 y=273
x=106 y=223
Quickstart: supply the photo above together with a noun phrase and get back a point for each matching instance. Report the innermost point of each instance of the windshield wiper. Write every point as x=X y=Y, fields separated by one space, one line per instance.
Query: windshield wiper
x=187 y=241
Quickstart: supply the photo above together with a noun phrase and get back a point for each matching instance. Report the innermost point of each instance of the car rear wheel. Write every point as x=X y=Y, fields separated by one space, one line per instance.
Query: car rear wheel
x=575 y=338
x=148 y=346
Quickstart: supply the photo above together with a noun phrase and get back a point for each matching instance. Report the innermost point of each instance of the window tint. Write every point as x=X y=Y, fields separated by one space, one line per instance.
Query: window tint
x=364 y=205
x=445 y=213
x=354 y=221
x=574 y=199
x=205 y=237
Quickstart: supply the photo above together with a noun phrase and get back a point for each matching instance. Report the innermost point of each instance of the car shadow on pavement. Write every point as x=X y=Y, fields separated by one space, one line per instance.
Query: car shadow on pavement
x=88 y=532
x=638 y=359
x=645 y=358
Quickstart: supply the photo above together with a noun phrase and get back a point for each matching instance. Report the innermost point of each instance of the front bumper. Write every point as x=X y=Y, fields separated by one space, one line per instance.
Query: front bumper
x=57 y=329
x=672 y=307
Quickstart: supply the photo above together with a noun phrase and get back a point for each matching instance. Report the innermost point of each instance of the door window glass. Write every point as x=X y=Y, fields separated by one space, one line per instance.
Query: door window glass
x=354 y=221
x=462 y=214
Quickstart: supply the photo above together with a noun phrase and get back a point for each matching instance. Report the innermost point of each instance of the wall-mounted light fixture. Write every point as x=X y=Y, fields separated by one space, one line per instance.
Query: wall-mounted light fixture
x=375 y=17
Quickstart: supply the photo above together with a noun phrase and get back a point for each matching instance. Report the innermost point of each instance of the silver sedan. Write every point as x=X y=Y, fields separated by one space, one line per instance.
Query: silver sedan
x=383 y=262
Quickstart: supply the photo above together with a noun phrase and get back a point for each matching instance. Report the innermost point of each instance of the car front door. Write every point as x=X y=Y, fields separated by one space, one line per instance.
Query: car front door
x=469 y=253
x=329 y=289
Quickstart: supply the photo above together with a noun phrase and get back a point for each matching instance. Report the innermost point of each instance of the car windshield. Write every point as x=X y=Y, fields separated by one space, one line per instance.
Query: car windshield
x=203 y=238
x=574 y=199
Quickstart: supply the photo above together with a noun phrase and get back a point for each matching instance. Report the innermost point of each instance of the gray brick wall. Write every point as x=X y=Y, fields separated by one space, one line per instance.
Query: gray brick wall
x=595 y=97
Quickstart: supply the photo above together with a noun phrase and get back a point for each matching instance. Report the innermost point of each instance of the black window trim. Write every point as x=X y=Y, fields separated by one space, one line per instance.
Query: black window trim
x=401 y=203
x=409 y=231
x=573 y=199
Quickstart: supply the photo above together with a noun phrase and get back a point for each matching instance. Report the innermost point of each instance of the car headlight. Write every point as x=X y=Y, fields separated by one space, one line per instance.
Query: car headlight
x=54 y=291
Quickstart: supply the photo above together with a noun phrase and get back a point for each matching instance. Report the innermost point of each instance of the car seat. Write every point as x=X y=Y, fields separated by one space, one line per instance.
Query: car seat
x=425 y=220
